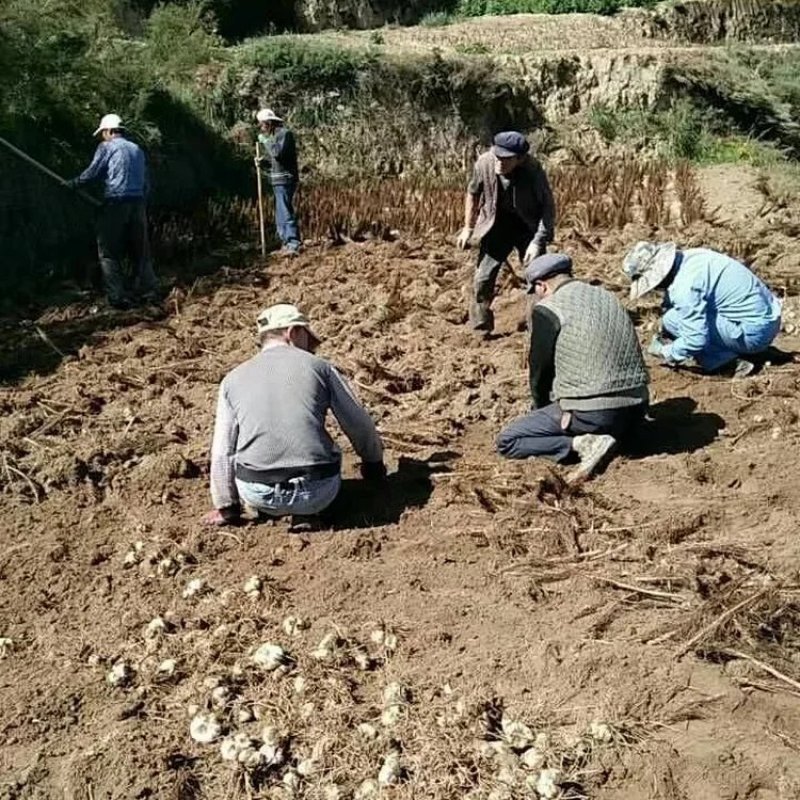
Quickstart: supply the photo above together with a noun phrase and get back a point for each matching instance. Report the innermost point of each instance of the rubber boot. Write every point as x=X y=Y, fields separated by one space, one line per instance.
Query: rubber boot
x=481 y=317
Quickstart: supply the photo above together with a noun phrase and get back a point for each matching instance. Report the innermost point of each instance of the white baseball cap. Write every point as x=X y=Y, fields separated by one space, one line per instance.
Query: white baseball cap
x=283 y=316
x=110 y=122
x=267 y=115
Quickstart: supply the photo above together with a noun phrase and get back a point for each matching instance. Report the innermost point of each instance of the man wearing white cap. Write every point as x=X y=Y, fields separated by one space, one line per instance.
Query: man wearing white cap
x=588 y=380
x=122 y=224
x=271 y=450
x=716 y=309
x=281 y=156
x=508 y=206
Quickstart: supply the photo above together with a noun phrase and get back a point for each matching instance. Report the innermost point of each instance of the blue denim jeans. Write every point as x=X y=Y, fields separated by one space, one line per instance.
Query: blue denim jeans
x=296 y=496
x=727 y=339
x=285 y=218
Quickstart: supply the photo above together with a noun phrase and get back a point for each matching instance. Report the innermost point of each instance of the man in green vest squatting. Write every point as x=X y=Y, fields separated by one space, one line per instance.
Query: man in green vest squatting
x=508 y=206
x=270 y=449
x=588 y=379
x=122 y=224
x=280 y=156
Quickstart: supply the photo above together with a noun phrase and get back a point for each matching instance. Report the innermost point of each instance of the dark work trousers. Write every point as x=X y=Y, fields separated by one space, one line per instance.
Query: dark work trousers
x=121 y=231
x=540 y=433
x=505 y=235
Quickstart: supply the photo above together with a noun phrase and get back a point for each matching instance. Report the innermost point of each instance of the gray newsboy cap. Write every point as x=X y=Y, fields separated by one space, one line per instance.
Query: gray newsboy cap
x=546 y=266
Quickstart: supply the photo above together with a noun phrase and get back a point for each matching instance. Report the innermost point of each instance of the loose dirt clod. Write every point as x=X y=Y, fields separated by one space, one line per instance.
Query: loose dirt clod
x=120 y=675
x=166 y=669
x=547 y=784
x=155 y=627
x=390 y=770
x=271 y=656
x=205 y=728
x=195 y=588
x=368 y=731
x=366 y=790
x=601 y=732
x=517 y=735
x=328 y=648
x=292 y=626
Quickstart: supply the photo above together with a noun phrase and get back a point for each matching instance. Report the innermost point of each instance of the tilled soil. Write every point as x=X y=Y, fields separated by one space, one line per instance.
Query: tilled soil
x=638 y=635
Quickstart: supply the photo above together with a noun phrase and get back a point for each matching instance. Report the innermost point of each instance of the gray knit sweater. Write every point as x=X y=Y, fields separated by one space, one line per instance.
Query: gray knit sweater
x=598 y=362
x=271 y=415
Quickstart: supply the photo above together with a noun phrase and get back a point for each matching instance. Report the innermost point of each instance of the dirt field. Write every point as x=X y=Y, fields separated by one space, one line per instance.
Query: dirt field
x=639 y=636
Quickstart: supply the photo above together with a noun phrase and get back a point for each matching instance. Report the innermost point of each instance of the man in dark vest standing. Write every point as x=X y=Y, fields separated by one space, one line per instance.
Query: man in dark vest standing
x=587 y=374
x=508 y=206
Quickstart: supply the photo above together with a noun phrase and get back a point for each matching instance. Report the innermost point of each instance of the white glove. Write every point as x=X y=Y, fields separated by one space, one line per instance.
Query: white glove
x=463 y=238
x=535 y=249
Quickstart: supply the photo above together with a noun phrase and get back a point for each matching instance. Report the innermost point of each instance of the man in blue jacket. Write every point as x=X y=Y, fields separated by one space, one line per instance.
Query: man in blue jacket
x=280 y=154
x=716 y=309
x=122 y=224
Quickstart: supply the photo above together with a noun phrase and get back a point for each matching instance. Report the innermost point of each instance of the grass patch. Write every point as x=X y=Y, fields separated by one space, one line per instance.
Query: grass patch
x=682 y=132
x=437 y=19
x=472 y=48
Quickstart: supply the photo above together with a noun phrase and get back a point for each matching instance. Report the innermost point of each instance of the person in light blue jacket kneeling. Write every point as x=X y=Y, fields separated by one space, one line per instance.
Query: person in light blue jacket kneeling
x=716 y=311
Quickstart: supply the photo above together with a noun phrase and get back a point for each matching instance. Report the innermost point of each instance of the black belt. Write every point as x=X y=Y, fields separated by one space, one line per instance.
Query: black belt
x=315 y=472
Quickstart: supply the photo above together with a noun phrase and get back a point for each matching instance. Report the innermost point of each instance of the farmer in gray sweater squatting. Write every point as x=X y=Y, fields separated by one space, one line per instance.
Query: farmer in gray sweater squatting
x=122 y=224
x=281 y=160
x=508 y=206
x=270 y=449
x=588 y=379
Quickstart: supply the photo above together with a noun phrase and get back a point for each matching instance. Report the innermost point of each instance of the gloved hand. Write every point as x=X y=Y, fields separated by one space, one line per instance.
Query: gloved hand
x=373 y=471
x=656 y=347
x=258 y=160
x=463 y=238
x=534 y=250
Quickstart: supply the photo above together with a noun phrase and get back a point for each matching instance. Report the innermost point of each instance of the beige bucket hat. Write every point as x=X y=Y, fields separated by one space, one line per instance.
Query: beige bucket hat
x=647 y=264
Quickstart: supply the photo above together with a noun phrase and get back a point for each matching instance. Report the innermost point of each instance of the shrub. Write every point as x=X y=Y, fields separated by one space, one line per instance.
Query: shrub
x=180 y=39
x=437 y=19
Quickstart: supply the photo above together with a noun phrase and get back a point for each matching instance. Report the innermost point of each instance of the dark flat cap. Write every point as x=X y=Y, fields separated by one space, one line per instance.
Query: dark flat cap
x=510 y=143
x=546 y=266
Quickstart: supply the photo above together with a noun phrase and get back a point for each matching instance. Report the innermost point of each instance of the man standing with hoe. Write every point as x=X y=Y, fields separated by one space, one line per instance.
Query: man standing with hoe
x=509 y=196
x=280 y=152
x=122 y=224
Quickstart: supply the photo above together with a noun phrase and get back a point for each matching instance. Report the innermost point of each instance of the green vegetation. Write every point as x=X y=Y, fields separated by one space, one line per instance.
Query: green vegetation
x=189 y=99
x=437 y=19
x=479 y=8
x=754 y=92
x=681 y=132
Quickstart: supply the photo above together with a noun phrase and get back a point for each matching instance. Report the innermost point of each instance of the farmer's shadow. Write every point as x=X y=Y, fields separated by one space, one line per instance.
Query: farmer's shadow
x=363 y=504
x=674 y=426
